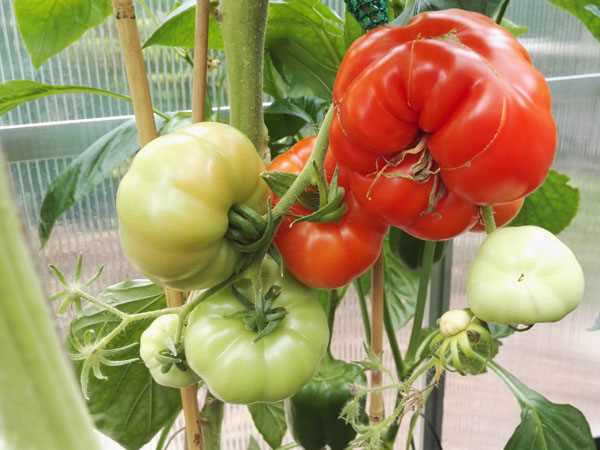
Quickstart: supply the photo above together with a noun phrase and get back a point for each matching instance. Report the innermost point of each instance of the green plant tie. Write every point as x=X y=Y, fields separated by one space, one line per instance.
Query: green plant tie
x=369 y=13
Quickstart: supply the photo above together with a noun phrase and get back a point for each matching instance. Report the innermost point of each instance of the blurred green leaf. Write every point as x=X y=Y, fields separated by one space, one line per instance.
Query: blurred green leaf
x=488 y=7
x=553 y=206
x=587 y=11
x=129 y=406
x=287 y=117
x=211 y=417
x=49 y=26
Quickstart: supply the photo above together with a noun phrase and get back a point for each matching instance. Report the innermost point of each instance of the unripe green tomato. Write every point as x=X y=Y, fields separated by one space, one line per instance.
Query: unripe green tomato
x=454 y=321
x=160 y=337
x=174 y=200
x=524 y=275
x=238 y=368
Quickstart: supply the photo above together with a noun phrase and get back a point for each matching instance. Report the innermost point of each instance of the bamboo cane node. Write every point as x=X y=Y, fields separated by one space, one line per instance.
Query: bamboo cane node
x=124 y=10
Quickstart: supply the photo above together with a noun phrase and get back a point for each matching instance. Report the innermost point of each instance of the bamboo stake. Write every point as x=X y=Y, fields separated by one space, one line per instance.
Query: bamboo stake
x=200 y=60
x=139 y=88
x=376 y=406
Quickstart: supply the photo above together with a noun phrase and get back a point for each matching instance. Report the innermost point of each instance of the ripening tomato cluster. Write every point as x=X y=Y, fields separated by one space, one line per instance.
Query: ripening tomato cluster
x=434 y=119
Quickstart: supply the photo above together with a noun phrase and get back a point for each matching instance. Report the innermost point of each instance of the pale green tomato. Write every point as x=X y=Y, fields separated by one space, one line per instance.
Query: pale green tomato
x=160 y=336
x=173 y=203
x=524 y=275
x=235 y=366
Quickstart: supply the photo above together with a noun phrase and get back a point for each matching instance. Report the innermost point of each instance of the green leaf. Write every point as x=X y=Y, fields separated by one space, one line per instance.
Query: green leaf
x=95 y=164
x=409 y=249
x=545 y=425
x=305 y=43
x=178 y=28
x=49 y=26
x=211 y=417
x=15 y=93
x=129 y=406
x=269 y=420
x=553 y=206
x=588 y=11
x=291 y=115
x=401 y=286
x=515 y=29
x=252 y=444
x=352 y=30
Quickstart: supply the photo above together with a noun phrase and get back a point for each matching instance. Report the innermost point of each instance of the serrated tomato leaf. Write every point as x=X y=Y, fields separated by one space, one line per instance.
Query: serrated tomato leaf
x=544 y=425
x=49 y=26
x=553 y=206
x=129 y=406
x=269 y=420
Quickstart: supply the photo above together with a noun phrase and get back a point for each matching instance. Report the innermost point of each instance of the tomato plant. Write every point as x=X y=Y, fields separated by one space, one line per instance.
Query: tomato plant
x=390 y=132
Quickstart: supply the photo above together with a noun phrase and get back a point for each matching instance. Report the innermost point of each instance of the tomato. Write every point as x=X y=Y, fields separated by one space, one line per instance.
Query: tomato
x=235 y=366
x=158 y=339
x=454 y=321
x=173 y=203
x=458 y=83
x=503 y=214
x=524 y=275
x=328 y=254
x=450 y=217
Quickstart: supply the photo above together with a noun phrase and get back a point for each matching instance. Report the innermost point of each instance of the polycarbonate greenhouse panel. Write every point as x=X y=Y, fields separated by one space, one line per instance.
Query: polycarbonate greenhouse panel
x=544 y=357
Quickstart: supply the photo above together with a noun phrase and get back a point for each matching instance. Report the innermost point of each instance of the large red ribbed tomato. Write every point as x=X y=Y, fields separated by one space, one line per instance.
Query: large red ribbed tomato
x=329 y=254
x=458 y=83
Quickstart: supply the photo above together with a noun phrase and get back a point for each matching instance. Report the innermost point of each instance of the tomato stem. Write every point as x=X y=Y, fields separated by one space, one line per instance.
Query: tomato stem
x=487 y=213
x=306 y=176
x=428 y=256
x=364 y=311
x=243 y=26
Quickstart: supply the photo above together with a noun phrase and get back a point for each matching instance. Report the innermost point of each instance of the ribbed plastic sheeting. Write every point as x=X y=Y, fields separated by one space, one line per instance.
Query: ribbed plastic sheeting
x=561 y=361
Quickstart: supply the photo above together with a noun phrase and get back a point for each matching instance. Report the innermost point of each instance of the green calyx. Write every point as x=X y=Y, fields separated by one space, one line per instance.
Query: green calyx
x=260 y=316
x=173 y=357
x=463 y=343
x=313 y=414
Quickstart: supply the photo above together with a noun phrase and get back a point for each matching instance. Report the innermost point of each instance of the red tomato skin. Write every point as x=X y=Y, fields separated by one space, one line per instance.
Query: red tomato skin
x=452 y=216
x=465 y=84
x=503 y=214
x=326 y=255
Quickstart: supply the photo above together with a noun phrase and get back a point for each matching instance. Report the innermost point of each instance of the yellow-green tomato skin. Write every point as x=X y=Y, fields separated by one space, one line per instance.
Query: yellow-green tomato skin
x=174 y=200
x=237 y=368
x=160 y=335
x=524 y=275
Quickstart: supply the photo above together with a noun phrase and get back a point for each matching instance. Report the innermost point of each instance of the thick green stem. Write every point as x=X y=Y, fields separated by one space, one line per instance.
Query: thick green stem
x=243 y=26
x=41 y=405
x=428 y=255
x=364 y=311
x=391 y=336
x=501 y=11
x=488 y=219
